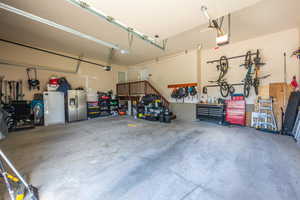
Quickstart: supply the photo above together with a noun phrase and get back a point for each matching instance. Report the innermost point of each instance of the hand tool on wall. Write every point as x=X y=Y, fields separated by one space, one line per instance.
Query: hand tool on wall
x=21 y=95
x=5 y=91
x=13 y=83
x=17 y=90
x=1 y=88
x=10 y=91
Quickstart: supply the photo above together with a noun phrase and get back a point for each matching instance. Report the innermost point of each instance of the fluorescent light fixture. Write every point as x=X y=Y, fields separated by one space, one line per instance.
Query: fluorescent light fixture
x=98 y=13
x=60 y=27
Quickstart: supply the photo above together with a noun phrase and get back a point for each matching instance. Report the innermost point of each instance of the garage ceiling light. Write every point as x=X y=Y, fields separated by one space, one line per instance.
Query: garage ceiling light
x=60 y=27
x=111 y=20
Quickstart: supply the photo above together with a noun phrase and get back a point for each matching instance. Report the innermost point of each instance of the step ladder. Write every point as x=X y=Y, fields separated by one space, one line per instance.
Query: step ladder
x=296 y=129
x=264 y=118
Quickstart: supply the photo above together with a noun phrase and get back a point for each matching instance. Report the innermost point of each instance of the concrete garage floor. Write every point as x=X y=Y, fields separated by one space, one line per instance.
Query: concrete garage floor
x=105 y=159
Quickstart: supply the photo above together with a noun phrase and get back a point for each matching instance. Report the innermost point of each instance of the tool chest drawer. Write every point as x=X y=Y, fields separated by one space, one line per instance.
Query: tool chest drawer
x=211 y=112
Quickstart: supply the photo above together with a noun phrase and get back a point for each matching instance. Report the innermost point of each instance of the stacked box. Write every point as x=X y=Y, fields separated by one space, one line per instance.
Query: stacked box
x=93 y=109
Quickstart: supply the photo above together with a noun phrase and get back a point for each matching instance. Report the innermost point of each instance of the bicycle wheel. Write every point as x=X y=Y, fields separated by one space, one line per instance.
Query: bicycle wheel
x=231 y=90
x=223 y=67
x=248 y=60
x=247 y=88
x=256 y=85
x=224 y=89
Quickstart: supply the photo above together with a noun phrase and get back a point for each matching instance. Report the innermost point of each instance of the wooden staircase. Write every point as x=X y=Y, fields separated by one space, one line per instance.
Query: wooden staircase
x=134 y=90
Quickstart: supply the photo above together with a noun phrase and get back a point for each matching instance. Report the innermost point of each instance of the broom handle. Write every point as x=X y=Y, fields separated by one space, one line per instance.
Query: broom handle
x=285 y=82
x=13 y=169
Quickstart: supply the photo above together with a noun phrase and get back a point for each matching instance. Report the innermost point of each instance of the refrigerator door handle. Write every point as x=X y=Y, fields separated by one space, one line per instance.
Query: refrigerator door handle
x=76 y=97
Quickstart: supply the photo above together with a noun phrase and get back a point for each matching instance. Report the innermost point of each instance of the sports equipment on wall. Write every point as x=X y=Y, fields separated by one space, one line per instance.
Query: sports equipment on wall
x=33 y=82
x=225 y=88
x=250 y=80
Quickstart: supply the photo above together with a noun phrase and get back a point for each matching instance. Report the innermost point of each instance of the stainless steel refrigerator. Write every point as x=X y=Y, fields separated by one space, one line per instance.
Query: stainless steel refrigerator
x=76 y=105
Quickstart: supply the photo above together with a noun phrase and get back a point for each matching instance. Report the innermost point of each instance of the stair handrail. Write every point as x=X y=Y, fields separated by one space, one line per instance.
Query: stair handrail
x=146 y=84
x=158 y=93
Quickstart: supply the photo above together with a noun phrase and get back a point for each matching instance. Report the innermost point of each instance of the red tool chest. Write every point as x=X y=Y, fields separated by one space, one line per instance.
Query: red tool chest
x=236 y=112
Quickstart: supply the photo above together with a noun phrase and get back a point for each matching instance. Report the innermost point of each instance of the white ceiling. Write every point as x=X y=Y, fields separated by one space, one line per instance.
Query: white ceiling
x=166 y=18
x=267 y=16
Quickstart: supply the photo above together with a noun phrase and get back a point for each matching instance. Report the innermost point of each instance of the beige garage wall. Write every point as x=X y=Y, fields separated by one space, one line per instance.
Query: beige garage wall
x=89 y=76
x=176 y=69
x=272 y=48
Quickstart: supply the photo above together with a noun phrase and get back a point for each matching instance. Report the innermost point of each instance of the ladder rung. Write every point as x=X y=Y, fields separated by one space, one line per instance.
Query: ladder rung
x=265 y=101
x=265 y=108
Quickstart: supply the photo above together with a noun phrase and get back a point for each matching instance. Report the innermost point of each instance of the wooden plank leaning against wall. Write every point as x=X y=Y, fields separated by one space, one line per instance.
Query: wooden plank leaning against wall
x=280 y=92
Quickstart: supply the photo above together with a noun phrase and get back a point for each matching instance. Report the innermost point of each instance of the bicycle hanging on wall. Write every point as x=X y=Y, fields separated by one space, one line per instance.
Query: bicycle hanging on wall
x=251 y=79
x=225 y=88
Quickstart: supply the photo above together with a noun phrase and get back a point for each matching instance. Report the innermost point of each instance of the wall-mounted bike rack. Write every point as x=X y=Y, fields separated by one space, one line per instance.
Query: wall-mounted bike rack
x=234 y=84
x=251 y=64
x=230 y=58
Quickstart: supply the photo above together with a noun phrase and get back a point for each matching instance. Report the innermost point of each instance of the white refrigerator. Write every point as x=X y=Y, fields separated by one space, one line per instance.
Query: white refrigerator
x=54 y=108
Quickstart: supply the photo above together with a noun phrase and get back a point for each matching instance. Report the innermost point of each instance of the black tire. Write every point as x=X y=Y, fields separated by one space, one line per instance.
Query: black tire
x=231 y=90
x=223 y=67
x=247 y=88
x=256 y=85
x=224 y=89
x=248 y=59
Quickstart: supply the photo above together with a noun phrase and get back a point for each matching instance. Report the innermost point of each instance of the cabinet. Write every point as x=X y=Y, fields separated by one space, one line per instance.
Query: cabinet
x=211 y=112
